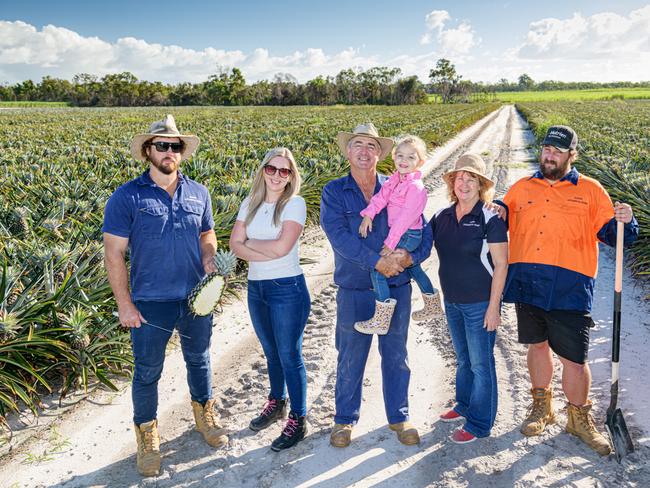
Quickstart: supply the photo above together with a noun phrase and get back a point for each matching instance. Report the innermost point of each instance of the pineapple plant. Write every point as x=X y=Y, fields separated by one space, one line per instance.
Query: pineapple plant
x=19 y=224
x=77 y=321
x=9 y=326
x=207 y=294
x=14 y=288
x=53 y=227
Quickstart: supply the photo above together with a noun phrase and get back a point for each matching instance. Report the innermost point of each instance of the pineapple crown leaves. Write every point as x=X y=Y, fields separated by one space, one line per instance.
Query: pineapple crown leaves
x=226 y=262
x=78 y=320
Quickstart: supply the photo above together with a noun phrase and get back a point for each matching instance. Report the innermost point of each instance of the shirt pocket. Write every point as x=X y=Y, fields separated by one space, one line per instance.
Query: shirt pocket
x=191 y=217
x=153 y=220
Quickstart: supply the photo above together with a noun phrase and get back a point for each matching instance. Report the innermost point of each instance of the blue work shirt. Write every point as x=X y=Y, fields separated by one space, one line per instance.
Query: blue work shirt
x=354 y=257
x=466 y=266
x=164 y=235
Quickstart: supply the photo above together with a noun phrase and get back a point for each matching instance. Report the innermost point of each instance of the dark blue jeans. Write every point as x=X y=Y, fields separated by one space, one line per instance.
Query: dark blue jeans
x=149 y=344
x=353 y=348
x=476 y=377
x=279 y=309
x=409 y=241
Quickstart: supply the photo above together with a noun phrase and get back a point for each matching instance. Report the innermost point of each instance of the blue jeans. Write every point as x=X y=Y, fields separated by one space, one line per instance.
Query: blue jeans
x=476 y=378
x=409 y=241
x=279 y=309
x=353 y=348
x=149 y=344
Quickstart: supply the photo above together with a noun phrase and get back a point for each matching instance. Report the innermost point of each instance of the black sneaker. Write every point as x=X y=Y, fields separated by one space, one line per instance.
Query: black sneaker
x=272 y=411
x=294 y=431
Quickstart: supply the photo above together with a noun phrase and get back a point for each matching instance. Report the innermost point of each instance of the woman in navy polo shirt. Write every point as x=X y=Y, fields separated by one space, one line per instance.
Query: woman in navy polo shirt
x=472 y=247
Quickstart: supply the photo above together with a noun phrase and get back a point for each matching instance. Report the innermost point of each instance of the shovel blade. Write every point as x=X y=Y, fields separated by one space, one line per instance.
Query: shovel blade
x=619 y=434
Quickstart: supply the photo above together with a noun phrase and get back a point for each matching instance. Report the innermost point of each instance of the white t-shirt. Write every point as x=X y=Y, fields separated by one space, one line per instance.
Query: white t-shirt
x=261 y=227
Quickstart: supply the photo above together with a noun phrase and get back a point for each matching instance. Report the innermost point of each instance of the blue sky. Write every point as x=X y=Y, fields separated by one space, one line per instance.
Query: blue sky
x=186 y=40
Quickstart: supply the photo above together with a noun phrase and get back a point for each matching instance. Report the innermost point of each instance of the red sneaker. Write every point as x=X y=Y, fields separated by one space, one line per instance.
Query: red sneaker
x=461 y=436
x=451 y=416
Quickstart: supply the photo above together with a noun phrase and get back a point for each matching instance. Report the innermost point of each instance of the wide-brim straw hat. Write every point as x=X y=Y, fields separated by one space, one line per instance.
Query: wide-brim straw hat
x=470 y=163
x=164 y=128
x=365 y=130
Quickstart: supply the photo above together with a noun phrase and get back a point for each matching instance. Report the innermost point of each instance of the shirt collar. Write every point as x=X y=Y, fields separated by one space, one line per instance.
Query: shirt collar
x=572 y=176
x=476 y=209
x=145 y=179
x=350 y=184
x=415 y=175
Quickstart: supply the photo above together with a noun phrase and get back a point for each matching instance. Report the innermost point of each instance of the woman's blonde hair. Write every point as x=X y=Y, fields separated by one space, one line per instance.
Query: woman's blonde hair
x=419 y=145
x=485 y=191
x=258 y=188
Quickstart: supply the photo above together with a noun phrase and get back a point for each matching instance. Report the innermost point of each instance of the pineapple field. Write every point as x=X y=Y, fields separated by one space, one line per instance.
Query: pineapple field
x=59 y=166
x=614 y=144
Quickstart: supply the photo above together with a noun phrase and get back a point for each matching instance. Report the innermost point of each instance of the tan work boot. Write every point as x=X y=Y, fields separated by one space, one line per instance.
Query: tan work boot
x=406 y=433
x=148 y=456
x=540 y=413
x=380 y=322
x=341 y=435
x=207 y=424
x=432 y=308
x=581 y=424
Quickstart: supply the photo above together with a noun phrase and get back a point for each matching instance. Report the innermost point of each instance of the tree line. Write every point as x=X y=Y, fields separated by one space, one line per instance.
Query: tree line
x=378 y=85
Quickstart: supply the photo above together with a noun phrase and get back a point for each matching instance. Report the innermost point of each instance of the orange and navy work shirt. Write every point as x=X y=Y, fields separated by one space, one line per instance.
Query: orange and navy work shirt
x=554 y=233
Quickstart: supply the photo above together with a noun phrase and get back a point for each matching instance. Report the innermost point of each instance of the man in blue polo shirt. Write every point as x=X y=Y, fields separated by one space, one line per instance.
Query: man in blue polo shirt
x=354 y=258
x=164 y=220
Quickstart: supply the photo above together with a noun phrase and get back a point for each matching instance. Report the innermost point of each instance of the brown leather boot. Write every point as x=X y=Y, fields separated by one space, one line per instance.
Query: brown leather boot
x=432 y=308
x=540 y=413
x=406 y=433
x=207 y=424
x=148 y=456
x=581 y=423
x=380 y=322
x=341 y=435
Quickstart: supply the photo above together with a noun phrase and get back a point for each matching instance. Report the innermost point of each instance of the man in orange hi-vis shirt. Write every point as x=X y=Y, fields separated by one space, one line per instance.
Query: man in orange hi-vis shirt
x=556 y=219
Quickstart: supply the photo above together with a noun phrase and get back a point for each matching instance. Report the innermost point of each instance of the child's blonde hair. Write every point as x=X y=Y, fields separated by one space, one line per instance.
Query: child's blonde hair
x=415 y=141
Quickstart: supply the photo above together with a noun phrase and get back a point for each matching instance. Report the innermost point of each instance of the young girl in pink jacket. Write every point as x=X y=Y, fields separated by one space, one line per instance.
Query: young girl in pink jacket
x=405 y=197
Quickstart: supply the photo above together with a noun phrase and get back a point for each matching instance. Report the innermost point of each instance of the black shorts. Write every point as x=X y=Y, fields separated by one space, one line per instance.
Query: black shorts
x=567 y=331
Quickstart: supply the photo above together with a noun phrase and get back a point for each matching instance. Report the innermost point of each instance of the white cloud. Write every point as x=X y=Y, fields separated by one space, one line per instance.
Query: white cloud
x=436 y=19
x=452 y=41
x=27 y=53
x=459 y=40
x=601 y=36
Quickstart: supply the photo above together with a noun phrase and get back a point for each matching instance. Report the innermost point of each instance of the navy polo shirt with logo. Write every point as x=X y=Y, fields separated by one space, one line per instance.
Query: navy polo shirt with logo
x=164 y=235
x=466 y=266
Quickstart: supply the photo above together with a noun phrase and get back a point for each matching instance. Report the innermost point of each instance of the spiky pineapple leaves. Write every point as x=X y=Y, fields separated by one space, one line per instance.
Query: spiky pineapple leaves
x=207 y=294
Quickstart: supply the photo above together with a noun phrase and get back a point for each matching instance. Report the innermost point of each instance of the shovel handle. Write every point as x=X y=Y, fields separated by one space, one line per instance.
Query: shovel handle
x=618 y=288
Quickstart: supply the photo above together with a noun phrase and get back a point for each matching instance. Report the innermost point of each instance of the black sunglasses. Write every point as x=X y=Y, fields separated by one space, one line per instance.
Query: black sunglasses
x=270 y=170
x=162 y=146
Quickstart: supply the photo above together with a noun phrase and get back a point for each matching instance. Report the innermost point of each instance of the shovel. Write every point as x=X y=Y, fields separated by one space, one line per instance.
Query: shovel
x=615 y=422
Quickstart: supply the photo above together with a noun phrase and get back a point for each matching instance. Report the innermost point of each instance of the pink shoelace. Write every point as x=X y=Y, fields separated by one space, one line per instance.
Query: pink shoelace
x=290 y=428
x=268 y=407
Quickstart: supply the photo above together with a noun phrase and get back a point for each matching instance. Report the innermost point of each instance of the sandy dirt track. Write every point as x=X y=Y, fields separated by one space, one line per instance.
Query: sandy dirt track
x=91 y=443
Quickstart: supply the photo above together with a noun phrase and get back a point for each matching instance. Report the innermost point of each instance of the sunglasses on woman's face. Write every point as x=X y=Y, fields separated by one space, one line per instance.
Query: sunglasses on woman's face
x=161 y=146
x=270 y=170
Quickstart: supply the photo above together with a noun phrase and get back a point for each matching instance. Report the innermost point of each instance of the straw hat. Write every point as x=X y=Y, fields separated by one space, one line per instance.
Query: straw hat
x=164 y=128
x=366 y=130
x=470 y=163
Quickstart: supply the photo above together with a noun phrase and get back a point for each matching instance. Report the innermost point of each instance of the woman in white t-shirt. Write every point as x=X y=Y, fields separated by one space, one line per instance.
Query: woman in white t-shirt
x=266 y=234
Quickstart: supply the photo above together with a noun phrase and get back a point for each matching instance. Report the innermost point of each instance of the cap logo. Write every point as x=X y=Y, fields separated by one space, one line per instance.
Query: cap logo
x=557 y=133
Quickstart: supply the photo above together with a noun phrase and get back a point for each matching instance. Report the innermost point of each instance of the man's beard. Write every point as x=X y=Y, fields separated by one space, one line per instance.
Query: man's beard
x=553 y=171
x=166 y=168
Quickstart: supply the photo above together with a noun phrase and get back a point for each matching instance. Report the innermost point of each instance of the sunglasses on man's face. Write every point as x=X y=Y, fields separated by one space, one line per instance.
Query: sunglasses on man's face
x=162 y=146
x=270 y=170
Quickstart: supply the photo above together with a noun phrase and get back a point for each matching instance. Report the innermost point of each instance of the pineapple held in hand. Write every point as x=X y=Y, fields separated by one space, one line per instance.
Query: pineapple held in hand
x=207 y=293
